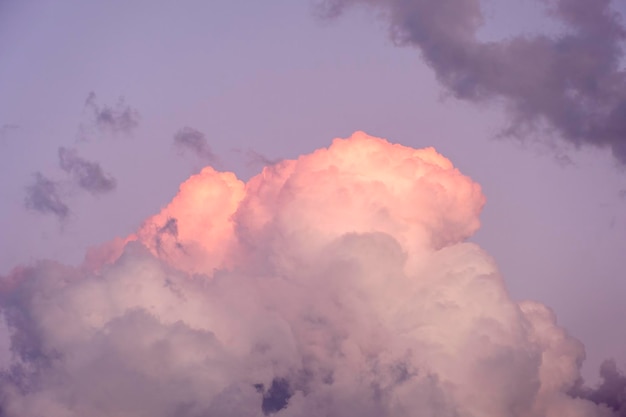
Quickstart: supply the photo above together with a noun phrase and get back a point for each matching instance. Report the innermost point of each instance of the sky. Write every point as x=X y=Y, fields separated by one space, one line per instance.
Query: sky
x=110 y=106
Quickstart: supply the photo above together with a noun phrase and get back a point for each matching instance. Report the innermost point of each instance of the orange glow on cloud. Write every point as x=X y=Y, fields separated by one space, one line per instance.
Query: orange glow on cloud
x=359 y=184
x=339 y=283
x=203 y=210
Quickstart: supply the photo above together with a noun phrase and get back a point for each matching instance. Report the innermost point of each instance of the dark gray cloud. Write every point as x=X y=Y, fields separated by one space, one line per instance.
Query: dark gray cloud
x=88 y=175
x=191 y=139
x=120 y=118
x=256 y=158
x=611 y=391
x=168 y=233
x=43 y=196
x=572 y=84
x=170 y=227
x=7 y=127
x=6 y=131
x=276 y=397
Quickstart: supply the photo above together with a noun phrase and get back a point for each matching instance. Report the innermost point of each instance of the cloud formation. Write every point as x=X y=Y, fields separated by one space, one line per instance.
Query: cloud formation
x=190 y=139
x=337 y=284
x=611 y=391
x=256 y=158
x=574 y=84
x=87 y=175
x=120 y=118
x=43 y=196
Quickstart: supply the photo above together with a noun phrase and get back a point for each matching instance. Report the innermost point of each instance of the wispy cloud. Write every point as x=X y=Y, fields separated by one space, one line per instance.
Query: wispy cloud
x=87 y=175
x=43 y=194
x=256 y=158
x=7 y=128
x=190 y=139
x=43 y=197
x=120 y=118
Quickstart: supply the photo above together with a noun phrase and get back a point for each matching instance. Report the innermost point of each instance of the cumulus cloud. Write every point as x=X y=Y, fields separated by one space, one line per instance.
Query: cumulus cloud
x=120 y=118
x=573 y=83
x=87 y=175
x=337 y=284
x=190 y=139
x=43 y=196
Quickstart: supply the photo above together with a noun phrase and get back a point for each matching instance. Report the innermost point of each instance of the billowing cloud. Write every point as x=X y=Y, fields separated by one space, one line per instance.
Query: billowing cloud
x=120 y=118
x=337 y=284
x=190 y=139
x=87 y=175
x=574 y=84
x=43 y=196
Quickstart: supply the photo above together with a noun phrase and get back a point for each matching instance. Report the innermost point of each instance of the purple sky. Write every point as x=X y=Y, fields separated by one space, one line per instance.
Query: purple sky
x=272 y=78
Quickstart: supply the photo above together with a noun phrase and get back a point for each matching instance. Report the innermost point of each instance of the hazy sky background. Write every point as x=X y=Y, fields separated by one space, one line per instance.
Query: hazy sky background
x=272 y=78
